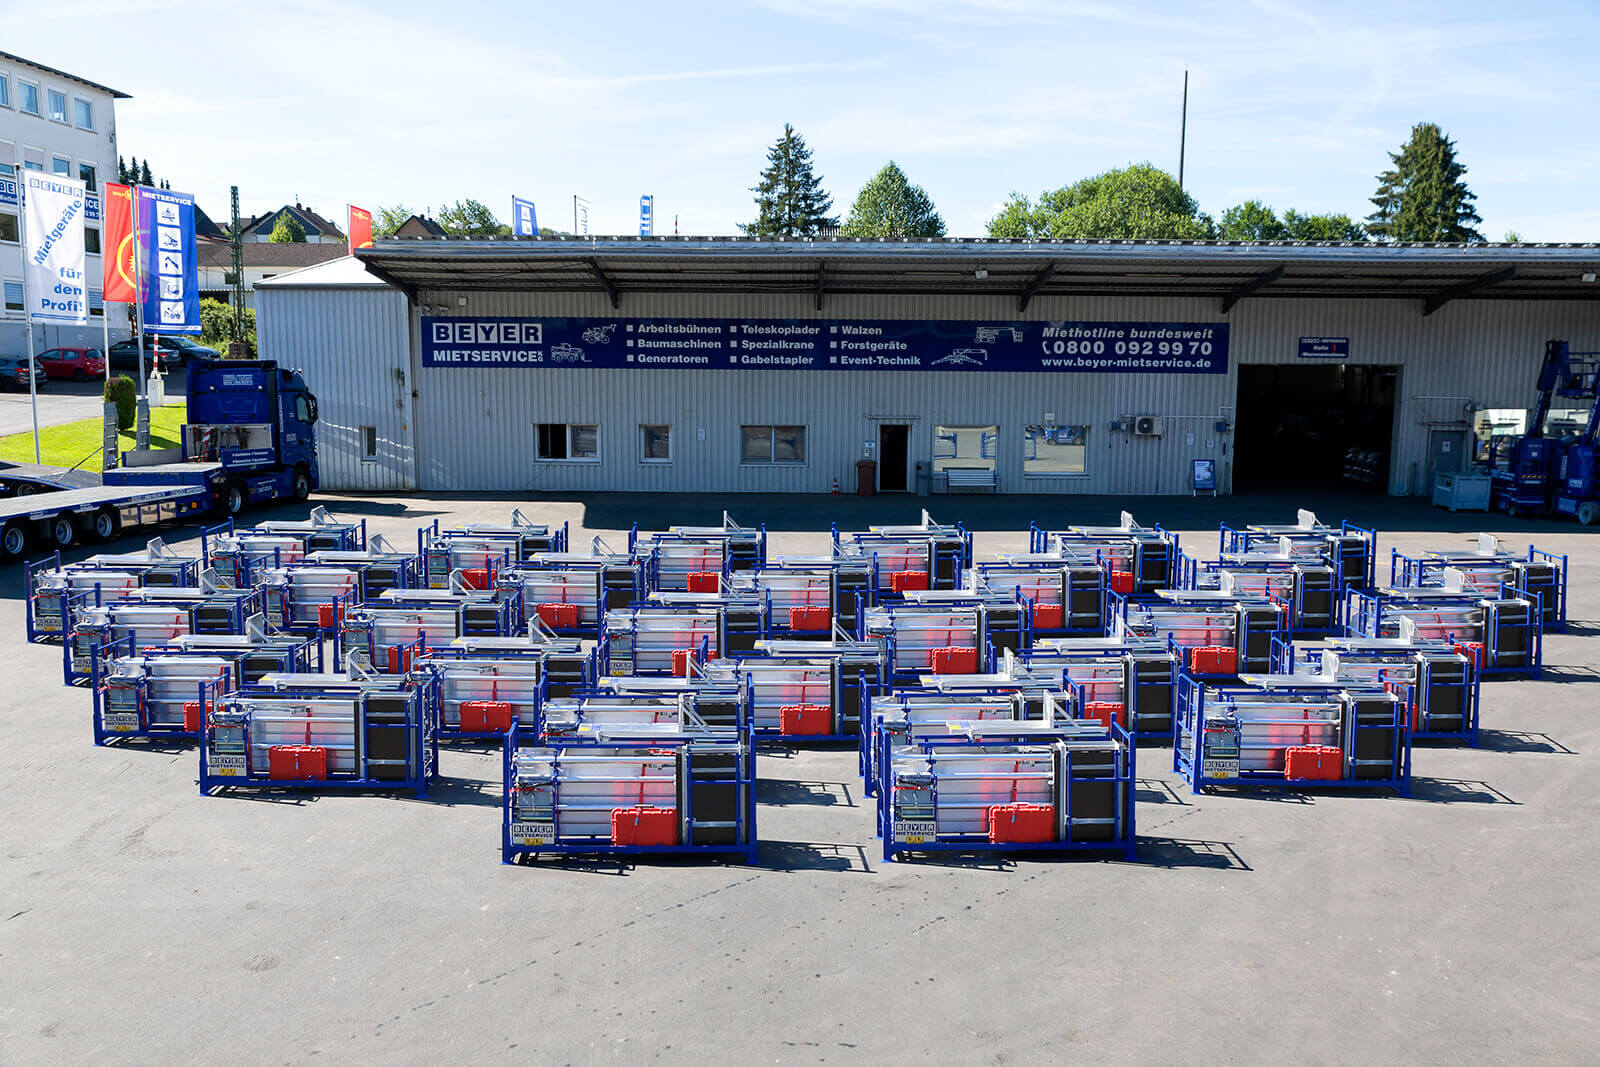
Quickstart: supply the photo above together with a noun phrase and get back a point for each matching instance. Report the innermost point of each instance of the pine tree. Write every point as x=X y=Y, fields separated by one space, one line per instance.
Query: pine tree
x=790 y=201
x=122 y=172
x=1423 y=198
x=144 y=174
x=890 y=206
x=133 y=170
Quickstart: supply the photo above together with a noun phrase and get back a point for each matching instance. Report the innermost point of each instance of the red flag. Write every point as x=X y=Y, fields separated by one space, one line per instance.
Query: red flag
x=117 y=242
x=360 y=228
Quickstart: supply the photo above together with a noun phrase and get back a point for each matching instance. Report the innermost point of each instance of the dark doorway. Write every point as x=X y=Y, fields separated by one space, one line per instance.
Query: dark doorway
x=1309 y=426
x=894 y=447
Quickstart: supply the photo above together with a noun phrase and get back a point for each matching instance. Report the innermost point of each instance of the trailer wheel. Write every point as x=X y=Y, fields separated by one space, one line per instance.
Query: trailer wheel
x=63 y=531
x=1588 y=512
x=104 y=524
x=232 y=499
x=27 y=489
x=302 y=483
x=13 y=540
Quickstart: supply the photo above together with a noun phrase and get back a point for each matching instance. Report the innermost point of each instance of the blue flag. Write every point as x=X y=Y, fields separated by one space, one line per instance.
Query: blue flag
x=168 y=270
x=524 y=223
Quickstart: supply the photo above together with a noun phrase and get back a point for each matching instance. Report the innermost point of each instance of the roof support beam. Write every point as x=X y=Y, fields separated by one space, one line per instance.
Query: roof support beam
x=822 y=277
x=379 y=272
x=605 y=283
x=1244 y=289
x=1034 y=285
x=1466 y=288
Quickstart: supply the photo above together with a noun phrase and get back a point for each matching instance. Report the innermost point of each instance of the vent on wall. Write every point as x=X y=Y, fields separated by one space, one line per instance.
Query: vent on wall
x=1148 y=425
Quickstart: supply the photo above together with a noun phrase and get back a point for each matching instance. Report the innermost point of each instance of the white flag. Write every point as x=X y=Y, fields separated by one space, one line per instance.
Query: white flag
x=53 y=209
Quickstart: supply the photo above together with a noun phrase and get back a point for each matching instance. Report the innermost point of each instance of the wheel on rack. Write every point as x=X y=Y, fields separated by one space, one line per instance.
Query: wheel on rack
x=63 y=530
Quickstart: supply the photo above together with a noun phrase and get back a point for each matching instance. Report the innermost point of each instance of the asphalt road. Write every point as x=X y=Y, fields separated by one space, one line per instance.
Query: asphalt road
x=65 y=401
x=144 y=924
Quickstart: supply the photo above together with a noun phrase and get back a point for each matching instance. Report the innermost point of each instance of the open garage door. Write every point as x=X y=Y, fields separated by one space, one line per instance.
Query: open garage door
x=1309 y=426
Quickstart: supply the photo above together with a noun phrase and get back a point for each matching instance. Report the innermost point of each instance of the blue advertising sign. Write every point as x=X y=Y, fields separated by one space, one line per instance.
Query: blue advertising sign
x=1324 y=348
x=168 y=271
x=647 y=222
x=1205 y=476
x=524 y=221
x=827 y=344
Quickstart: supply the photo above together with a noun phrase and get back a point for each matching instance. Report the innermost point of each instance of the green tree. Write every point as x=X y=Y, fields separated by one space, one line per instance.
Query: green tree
x=144 y=174
x=120 y=391
x=890 y=206
x=216 y=325
x=286 y=230
x=1250 y=221
x=469 y=218
x=386 y=220
x=1138 y=201
x=1512 y=237
x=1298 y=227
x=1422 y=197
x=790 y=200
x=122 y=171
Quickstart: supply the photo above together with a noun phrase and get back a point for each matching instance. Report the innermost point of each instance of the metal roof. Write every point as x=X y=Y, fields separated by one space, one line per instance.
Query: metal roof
x=116 y=94
x=1229 y=271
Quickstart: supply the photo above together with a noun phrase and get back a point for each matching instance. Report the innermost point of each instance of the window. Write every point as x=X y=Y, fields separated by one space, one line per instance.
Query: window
x=655 y=444
x=7 y=169
x=578 y=442
x=965 y=447
x=91 y=240
x=8 y=227
x=13 y=295
x=58 y=106
x=369 y=443
x=32 y=164
x=1055 y=450
x=97 y=304
x=60 y=166
x=5 y=91
x=772 y=444
x=28 y=97
x=83 y=113
x=86 y=175
x=230 y=278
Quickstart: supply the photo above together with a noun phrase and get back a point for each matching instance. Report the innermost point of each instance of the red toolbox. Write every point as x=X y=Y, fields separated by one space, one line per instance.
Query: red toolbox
x=297 y=763
x=901 y=581
x=680 y=661
x=1313 y=763
x=644 y=827
x=1021 y=824
x=704 y=581
x=328 y=615
x=1105 y=712
x=558 y=616
x=485 y=716
x=193 y=720
x=1047 y=616
x=1473 y=650
x=475 y=577
x=798 y=720
x=1213 y=660
x=399 y=659
x=1122 y=582
x=810 y=620
x=955 y=661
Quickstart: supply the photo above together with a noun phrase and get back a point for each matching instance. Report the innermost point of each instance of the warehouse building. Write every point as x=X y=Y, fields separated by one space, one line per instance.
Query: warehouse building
x=730 y=364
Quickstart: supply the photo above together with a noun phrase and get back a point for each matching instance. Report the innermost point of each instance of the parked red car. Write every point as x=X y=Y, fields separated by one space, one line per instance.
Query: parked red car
x=79 y=364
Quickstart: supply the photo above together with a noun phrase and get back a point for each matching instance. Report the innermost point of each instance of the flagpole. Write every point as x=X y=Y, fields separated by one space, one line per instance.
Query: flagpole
x=138 y=278
x=27 y=305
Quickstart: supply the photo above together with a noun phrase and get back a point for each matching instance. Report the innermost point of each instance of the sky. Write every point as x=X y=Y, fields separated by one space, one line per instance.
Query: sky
x=1297 y=104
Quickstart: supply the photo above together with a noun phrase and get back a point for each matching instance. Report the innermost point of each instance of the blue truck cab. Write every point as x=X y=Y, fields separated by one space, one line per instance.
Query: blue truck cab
x=250 y=438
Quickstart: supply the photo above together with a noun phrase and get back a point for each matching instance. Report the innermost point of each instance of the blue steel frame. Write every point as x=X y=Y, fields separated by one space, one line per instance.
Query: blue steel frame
x=1037 y=658
x=352 y=537
x=144 y=730
x=1234 y=540
x=765 y=734
x=1125 y=778
x=186 y=576
x=1423 y=571
x=746 y=845
x=1416 y=698
x=1364 y=616
x=700 y=653
x=862 y=543
x=425 y=739
x=433 y=688
x=1188 y=744
x=872 y=736
x=513 y=572
x=245 y=602
x=1291 y=608
x=1039 y=539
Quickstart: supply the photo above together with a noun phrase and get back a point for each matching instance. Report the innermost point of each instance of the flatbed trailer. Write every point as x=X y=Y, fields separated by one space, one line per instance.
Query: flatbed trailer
x=61 y=518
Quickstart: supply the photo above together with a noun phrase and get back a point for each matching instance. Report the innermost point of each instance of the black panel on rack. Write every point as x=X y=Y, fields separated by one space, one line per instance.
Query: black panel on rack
x=480 y=620
x=1147 y=681
x=213 y=619
x=708 y=786
x=1084 y=596
x=1090 y=793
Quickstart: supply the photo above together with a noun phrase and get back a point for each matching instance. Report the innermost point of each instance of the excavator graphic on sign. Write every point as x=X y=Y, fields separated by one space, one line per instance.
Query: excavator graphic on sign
x=987 y=335
x=599 y=335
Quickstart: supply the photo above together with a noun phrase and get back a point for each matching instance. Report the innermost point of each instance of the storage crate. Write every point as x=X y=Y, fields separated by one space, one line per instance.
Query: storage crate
x=704 y=581
x=1047 y=616
x=558 y=616
x=485 y=716
x=1105 y=712
x=644 y=827
x=1122 y=582
x=810 y=620
x=902 y=581
x=302 y=763
x=955 y=661
x=1213 y=660
x=1313 y=763
x=1021 y=824
x=798 y=720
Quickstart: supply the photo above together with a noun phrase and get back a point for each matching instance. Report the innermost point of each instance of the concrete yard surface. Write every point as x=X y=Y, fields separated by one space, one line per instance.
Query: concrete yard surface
x=142 y=923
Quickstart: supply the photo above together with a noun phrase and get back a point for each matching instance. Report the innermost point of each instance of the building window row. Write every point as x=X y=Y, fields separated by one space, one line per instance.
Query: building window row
x=1047 y=451
x=28 y=98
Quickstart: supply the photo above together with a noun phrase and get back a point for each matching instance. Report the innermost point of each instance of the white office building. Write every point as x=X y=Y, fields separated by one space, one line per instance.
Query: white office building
x=64 y=124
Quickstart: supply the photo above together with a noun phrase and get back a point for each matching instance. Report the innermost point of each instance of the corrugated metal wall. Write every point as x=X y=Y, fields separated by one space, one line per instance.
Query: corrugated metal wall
x=475 y=428
x=354 y=346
